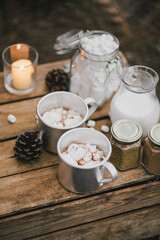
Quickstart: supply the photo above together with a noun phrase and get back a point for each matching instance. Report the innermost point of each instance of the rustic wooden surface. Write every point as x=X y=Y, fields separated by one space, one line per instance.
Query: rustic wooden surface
x=34 y=205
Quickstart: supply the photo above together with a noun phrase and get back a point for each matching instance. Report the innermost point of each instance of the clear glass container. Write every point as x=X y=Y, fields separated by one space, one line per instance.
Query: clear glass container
x=20 y=66
x=151 y=151
x=126 y=144
x=136 y=98
x=94 y=66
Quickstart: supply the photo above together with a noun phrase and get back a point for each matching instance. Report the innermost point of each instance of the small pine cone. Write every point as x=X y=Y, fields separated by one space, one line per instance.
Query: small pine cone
x=57 y=80
x=28 y=146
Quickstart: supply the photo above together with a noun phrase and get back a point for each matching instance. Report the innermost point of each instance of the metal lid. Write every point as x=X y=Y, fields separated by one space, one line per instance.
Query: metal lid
x=154 y=134
x=126 y=131
x=68 y=41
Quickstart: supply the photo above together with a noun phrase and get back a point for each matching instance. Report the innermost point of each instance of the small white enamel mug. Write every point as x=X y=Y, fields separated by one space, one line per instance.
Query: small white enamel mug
x=49 y=134
x=80 y=179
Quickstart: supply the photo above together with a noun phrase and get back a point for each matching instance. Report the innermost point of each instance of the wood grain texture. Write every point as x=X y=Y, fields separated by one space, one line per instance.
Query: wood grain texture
x=141 y=224
x=10 y=165
x=80 y=211
x=33 y=203
x=41 y=188
x=25 y=113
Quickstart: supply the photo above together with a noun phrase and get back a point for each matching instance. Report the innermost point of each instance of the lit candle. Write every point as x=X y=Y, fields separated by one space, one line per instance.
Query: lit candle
x=19 y=51
x=22 y=71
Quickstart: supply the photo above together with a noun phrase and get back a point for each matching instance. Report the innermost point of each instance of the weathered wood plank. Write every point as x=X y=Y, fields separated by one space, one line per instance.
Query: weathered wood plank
x=11 y=165
x=141 y=224
x=79 y=212
x=40 y=88
x=40 y=188
x=25 y=112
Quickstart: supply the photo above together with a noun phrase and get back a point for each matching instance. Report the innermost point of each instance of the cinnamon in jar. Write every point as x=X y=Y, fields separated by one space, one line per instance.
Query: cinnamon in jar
x=151 y=151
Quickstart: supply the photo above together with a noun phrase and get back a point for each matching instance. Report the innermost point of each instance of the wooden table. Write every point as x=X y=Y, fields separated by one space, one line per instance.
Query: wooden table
x=33 y=204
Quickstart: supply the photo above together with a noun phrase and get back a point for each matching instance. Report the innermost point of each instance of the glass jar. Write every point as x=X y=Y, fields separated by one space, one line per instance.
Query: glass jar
x=136 y=98
x=20 y=66
x=151 y=151
x=126 y=144
x=94 y=66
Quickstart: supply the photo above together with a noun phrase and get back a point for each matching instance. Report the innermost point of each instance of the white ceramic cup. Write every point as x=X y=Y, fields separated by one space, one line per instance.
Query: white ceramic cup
x=50 y=135
x=80 y=179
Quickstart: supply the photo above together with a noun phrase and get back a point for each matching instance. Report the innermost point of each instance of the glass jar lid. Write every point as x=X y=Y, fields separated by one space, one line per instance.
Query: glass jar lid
x=68 y=41
x=154 y=134
x=96 y=45
x=139 y=79
x=126 y=131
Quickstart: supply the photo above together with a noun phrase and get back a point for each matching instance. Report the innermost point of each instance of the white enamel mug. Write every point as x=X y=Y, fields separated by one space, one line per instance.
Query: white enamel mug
x=78 y=178
x=49 y=134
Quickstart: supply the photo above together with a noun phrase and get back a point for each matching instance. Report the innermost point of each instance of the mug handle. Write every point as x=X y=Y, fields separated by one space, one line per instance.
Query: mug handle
x=113 y=171
x=93 y=106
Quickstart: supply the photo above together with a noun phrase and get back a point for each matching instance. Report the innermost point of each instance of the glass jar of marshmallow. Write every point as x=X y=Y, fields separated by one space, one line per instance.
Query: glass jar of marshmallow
x=94 y=67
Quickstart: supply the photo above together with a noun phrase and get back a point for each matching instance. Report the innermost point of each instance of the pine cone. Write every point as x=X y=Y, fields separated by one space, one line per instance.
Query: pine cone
x=57 y=80
x=28 y=146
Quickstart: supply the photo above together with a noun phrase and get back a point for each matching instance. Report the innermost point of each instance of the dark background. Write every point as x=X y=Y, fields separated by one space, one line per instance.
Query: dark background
x=135 y=23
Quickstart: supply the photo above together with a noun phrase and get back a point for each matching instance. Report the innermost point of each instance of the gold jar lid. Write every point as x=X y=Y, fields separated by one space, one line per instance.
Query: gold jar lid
x=154 y=134
x=126 y=131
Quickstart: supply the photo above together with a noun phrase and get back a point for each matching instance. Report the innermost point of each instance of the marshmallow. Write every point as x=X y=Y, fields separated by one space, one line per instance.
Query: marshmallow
x=96 y=157
x=93 y=148
x=99 y=45
x=50 y=117
x=70 y=121
x=59 y=117
x=59 y=110
x=82 y=154
x=105 y=128
x=69 y=159
x=76 y=152
x=64 y=112
x=88 y=157
x=11 y=118
x=91 y=123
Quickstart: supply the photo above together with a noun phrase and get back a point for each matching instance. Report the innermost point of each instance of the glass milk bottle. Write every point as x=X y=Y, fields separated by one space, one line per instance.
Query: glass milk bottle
x=94 y=66
x=136 y=98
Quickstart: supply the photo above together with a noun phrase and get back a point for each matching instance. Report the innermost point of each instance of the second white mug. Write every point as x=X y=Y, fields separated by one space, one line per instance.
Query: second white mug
x=62 y=99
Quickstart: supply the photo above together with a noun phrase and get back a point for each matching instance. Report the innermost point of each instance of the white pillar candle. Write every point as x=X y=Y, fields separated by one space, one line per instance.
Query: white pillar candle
x=22 y=71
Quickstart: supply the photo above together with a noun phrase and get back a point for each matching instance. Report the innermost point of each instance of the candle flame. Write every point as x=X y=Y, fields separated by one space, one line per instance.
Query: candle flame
x=18 y=46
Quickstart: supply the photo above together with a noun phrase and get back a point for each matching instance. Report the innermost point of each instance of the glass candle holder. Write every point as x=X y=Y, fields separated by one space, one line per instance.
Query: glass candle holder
x=20 y=66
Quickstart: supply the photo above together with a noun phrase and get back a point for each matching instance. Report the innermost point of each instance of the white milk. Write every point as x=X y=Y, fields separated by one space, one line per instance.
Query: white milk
x=140 y=107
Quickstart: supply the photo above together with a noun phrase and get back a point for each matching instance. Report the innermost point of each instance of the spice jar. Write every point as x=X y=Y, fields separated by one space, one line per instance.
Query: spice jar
x=136 y=98
x=94 y=66
x=126 y=144
x=151 y=151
